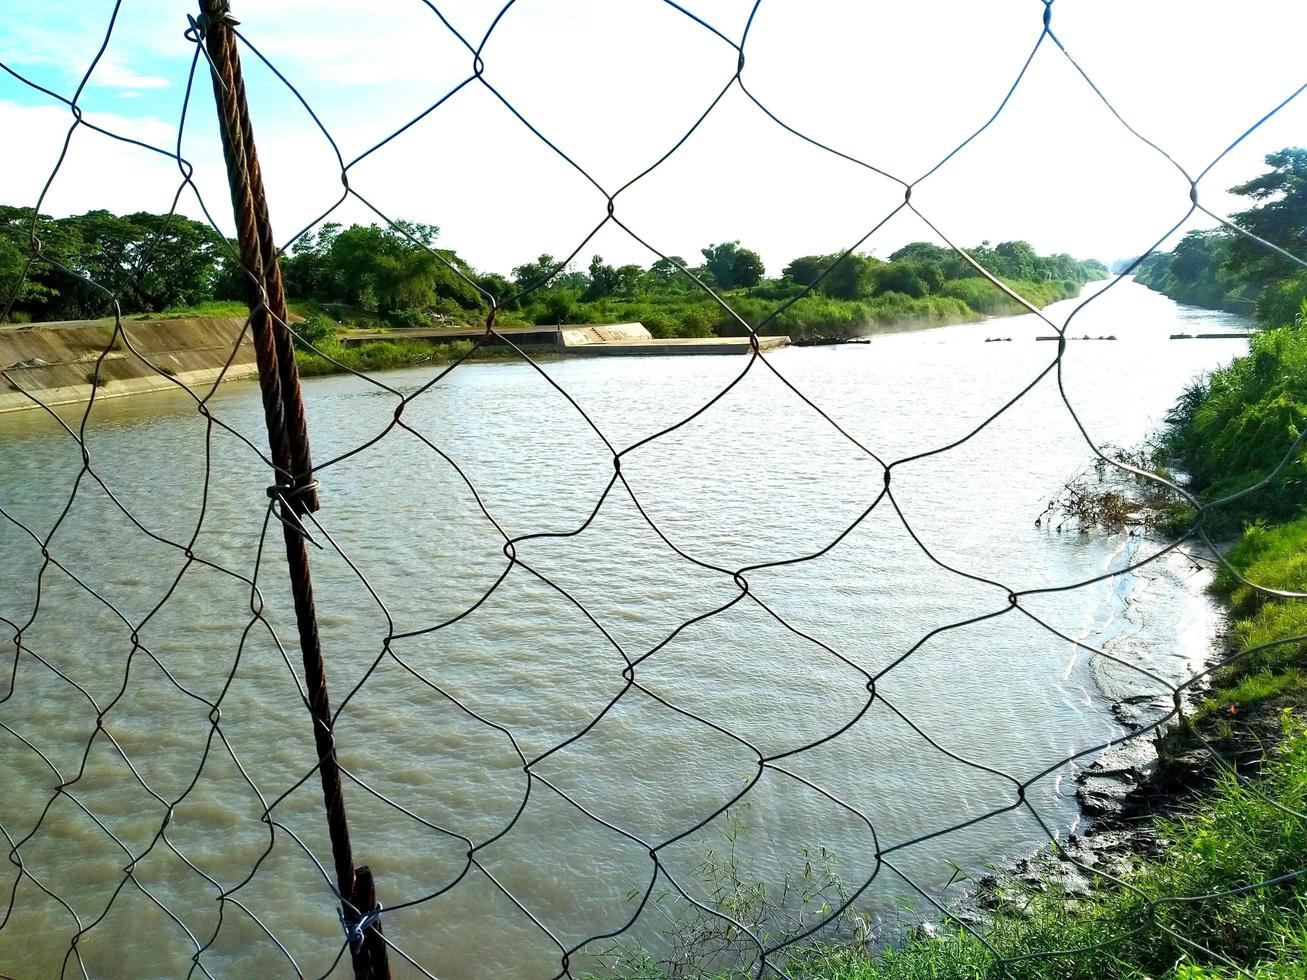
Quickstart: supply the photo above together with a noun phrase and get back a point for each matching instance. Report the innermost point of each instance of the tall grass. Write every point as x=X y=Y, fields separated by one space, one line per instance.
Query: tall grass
x=1275 y=557
x=981 y=294
x=1235 y=428
x=377 y=356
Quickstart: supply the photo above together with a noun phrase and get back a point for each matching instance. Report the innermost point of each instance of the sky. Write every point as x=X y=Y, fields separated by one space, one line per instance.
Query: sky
x=614 y=84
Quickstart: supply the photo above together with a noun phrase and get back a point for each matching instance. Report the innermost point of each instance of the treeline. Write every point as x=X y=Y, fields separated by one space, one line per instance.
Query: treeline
x=152 y=262
x=834 y=297
x=397 y=276
x=1225 y=270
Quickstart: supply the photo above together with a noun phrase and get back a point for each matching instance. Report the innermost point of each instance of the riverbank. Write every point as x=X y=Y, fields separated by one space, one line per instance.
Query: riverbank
x=57 y=361
x=1192 y=866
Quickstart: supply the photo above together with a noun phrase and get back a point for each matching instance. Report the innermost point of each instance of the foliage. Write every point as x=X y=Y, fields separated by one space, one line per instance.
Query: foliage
x=1274 y=557
x=982 y=295
x=1280 y=216
x=1230 y=431
x=1199 y=271
x=731 y=266
x=151 y=262
x=385 y=270
x=377 y=356
x=397 y=277
x=1234 y=428
x=1220 y=268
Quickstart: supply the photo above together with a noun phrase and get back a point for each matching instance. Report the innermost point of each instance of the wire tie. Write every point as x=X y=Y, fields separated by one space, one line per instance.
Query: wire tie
x=354 y=929
x=287 y=492
x=284 y=493
x=199 y=28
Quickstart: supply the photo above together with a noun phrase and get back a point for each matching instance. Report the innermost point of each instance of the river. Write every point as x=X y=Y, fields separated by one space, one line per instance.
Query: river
x=757 y=478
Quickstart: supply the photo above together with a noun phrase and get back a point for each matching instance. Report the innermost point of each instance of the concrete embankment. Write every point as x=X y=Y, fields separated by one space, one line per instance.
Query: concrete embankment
x=56 y=362
x=582 y=340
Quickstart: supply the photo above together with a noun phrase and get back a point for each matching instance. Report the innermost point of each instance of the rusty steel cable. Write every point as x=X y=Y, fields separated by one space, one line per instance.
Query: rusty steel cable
x=292 y=502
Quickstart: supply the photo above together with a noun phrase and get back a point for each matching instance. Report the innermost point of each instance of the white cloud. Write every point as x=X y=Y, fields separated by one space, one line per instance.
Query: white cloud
x=100 y=172
x=614 y=85
x=109 y=73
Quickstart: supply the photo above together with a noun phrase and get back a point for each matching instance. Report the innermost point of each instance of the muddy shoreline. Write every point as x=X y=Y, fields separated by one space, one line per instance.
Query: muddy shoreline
x=1127 y=789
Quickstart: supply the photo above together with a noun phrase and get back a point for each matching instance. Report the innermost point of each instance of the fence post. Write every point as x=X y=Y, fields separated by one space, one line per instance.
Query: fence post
x=295 y=490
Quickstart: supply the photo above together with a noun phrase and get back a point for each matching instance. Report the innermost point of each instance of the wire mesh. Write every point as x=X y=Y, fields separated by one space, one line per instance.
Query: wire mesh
x=183 y=878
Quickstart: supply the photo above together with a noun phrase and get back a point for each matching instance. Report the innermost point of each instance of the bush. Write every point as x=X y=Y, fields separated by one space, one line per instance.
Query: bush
x=560 y=306
x=1283 y=302
x=407 y=318
x=318 y=330
x=379 y=356
x=1235 y=428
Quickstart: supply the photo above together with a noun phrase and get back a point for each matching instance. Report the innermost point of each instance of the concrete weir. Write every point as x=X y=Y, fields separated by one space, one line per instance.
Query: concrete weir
x=582 y=339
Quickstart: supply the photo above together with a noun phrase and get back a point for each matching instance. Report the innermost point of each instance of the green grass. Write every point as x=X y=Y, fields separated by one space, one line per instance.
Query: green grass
x=981 y=294
x=1236 y=426
x=379 y=356
x=817 y=316
x=1275 y=557
x=210 y=308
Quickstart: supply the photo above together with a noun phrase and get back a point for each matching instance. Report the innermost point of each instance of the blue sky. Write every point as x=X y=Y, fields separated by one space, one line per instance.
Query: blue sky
x=614 y=83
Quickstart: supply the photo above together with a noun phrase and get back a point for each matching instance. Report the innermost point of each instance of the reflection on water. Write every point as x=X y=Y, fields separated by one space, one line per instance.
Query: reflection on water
x=759 y=478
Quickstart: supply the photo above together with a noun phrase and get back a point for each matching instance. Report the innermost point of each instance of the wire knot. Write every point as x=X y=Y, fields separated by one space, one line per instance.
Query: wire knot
x=288 y=492
x=355 y=928
x=200 y=25
x=296 y=499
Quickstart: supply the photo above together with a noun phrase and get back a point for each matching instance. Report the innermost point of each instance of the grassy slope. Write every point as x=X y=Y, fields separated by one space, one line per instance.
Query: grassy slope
x=1231 y=431
x=818 y=316
x=1275 y=557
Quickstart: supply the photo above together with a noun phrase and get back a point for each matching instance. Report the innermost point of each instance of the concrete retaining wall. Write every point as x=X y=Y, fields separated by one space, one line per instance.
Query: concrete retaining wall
x=55 y=361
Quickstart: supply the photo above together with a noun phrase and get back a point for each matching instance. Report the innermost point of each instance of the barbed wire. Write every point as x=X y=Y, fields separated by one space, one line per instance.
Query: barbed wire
x=284 y=814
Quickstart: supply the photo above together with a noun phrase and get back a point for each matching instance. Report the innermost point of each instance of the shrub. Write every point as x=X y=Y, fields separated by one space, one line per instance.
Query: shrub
x=407 y=318
x=1236 y=428
x=317 y=330
x=1284 y=301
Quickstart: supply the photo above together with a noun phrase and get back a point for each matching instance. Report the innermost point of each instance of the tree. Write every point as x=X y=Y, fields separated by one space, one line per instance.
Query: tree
x=169 y=261
x=1280 y=217
x=541 y=272
x=731 y=266
x=1199 y=256
x=838 y=276
x=500 y=287
x=915 y=279
x=605 y=280
x=807 y=269
x=669 y=273
x=383 y=269
x=922 y=252
x=1015 y=260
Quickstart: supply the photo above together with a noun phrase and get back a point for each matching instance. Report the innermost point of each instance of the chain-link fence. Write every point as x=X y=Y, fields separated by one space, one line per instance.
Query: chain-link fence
x=549 y=760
